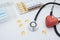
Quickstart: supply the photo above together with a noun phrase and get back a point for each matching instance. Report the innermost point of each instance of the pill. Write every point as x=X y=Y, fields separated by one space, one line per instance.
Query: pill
x=22 y=33
x=20 y=25
x=44 y=32
x=18 y=21
x=27 y=20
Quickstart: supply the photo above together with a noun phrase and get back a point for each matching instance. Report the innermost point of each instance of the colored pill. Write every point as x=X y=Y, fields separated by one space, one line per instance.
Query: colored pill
x=44 y=32
x=27 y=20
x=20 y=25
x=22 y=33
x=18 y=21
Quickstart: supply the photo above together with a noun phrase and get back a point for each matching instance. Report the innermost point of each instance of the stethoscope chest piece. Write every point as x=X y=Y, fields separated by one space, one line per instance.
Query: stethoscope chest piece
x=33 y=26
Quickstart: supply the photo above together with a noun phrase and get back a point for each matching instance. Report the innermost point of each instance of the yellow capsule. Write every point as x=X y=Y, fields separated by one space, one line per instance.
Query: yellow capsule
x=20 y=25
x=18 y=21
x=22 y=33
x=27 y=20
x=44 y=32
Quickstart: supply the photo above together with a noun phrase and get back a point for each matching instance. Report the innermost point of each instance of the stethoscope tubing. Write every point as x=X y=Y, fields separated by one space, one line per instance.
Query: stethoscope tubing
x=55 y=29
x=43 y=7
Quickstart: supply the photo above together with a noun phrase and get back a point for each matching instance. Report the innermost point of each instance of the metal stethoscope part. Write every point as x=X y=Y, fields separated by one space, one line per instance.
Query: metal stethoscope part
x=33 y=26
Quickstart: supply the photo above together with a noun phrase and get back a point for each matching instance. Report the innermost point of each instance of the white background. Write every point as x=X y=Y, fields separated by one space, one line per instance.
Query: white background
x=11 y=31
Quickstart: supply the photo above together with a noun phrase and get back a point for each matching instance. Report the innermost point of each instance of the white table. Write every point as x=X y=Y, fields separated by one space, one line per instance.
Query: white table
x=11 y=31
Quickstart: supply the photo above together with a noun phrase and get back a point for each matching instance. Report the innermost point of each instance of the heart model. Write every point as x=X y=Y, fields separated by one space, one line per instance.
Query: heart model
x=51 y=21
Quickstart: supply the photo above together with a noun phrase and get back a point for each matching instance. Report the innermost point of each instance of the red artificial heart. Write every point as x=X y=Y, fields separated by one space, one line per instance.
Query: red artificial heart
x=51 y=21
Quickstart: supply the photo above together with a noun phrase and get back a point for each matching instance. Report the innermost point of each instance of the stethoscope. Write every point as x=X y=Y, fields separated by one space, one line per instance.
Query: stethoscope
x=33 y=25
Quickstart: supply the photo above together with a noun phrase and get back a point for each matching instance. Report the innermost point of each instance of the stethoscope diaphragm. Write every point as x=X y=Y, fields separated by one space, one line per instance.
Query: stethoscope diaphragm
x=33 y=26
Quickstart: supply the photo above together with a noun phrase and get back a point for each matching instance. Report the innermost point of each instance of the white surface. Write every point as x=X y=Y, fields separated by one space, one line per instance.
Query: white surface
x=11 y=31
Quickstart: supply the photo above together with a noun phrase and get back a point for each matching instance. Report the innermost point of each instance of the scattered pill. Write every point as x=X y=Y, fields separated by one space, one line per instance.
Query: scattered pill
x=27 y=20
x=20 y=25
x=18 y=21
x=22 y=33
x=44 y=32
